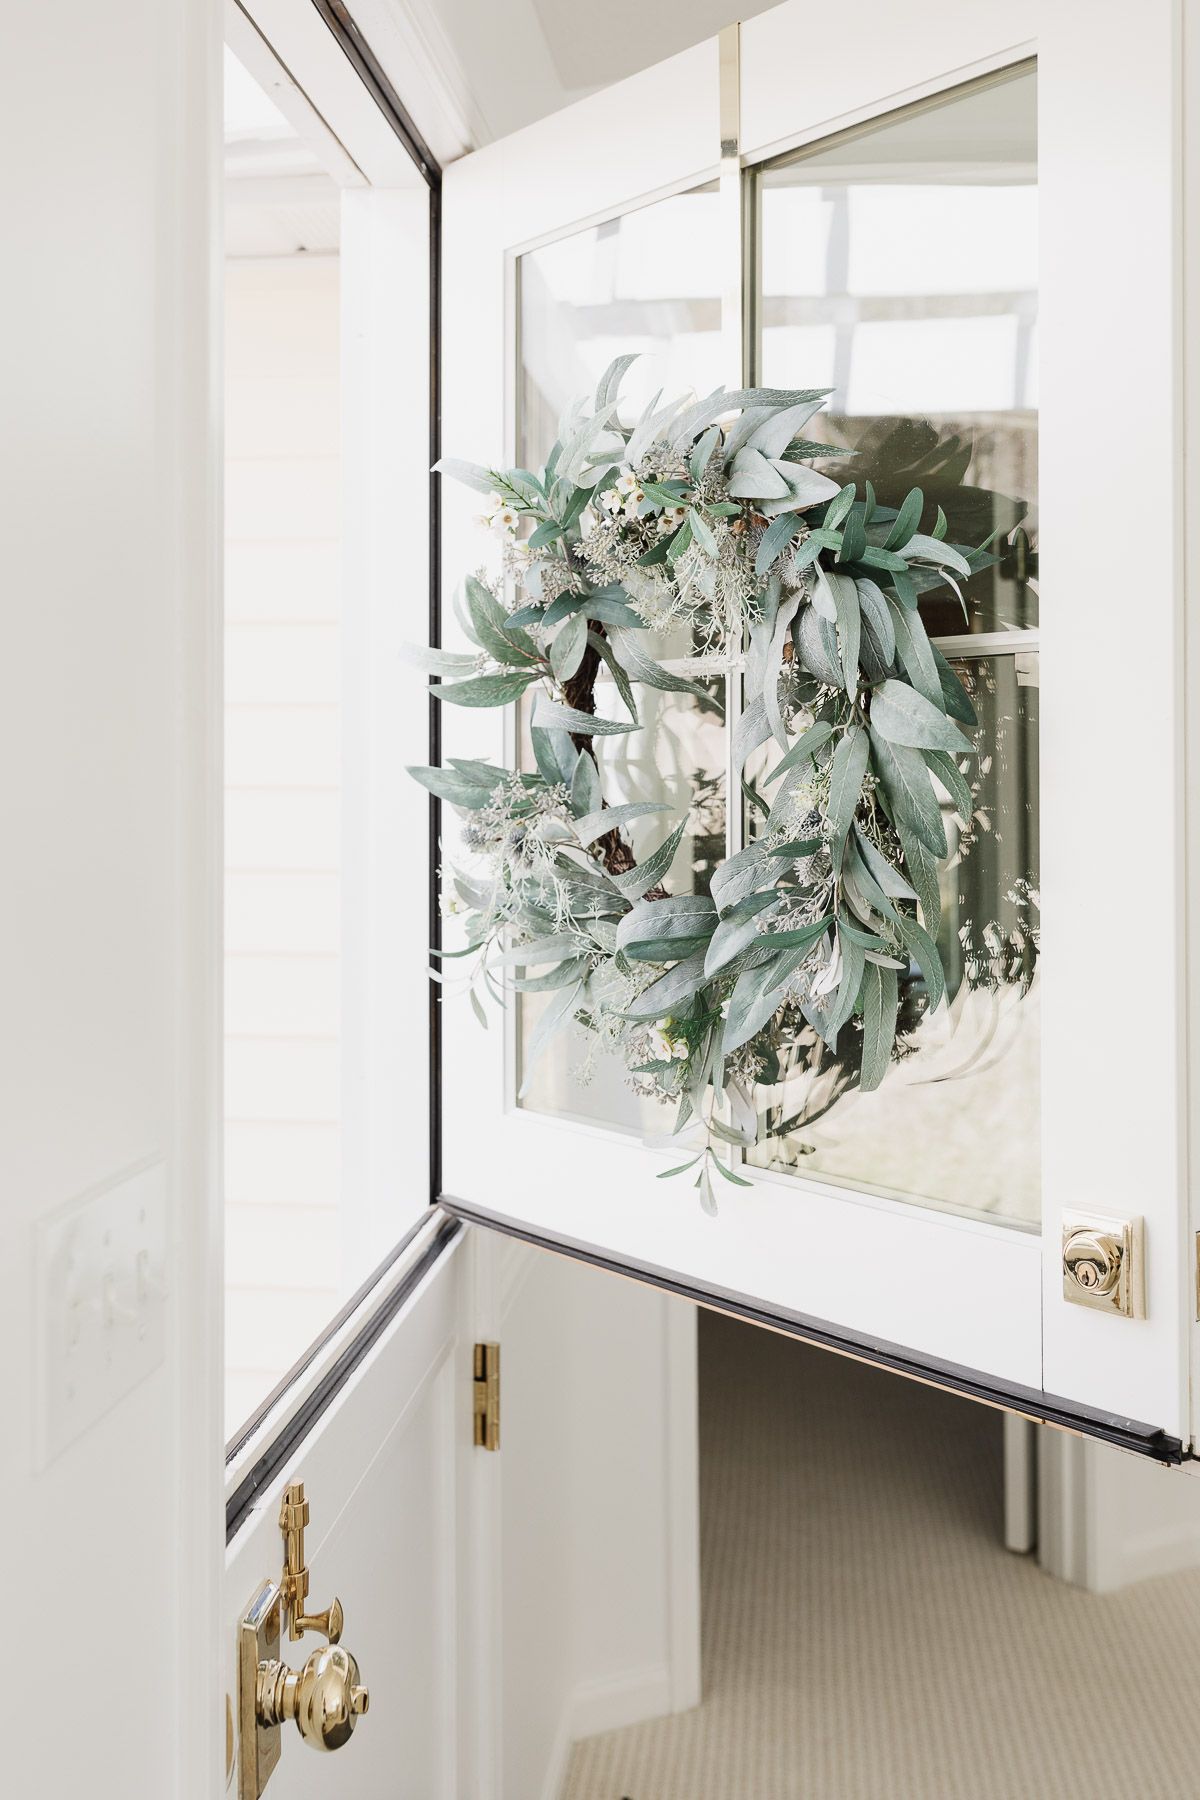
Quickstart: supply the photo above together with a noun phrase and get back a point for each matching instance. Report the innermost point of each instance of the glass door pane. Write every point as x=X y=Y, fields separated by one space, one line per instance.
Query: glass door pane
x=899 y=268
x=313 y=804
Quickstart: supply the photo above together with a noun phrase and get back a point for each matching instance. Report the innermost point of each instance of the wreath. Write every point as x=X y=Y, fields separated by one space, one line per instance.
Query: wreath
x=709 y=517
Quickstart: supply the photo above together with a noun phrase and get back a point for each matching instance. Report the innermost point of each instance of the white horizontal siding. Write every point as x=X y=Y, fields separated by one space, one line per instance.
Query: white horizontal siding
x=282 y=818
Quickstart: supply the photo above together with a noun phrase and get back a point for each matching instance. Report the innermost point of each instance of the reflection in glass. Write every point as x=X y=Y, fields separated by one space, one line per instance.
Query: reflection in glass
x=285 y=1138
x=956 y=1123
x=899 y=268
x=649 y=282
x=678 y=758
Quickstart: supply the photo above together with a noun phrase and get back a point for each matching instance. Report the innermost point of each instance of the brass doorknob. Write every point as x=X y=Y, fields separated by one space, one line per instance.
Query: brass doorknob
x=324 y=1697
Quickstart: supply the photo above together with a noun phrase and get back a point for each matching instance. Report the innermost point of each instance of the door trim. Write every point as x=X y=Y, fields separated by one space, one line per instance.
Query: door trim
x=1030 y=1403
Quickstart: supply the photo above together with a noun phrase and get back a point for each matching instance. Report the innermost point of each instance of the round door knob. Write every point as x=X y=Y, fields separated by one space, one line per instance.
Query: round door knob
x=324 y=1697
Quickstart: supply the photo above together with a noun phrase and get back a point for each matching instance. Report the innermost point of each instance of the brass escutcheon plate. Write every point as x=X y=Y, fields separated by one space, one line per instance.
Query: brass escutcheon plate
x=1102 y=1263
x=259 y=1746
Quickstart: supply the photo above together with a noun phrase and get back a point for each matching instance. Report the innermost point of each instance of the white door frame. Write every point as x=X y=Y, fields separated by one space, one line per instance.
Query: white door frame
x=949 y=1293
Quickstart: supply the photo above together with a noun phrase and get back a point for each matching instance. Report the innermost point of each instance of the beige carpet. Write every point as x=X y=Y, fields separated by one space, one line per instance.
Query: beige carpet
x=866 y=1635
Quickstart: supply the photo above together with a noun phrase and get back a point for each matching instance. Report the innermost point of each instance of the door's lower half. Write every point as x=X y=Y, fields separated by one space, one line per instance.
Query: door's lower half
x=388 y=1483
x=516 y=1562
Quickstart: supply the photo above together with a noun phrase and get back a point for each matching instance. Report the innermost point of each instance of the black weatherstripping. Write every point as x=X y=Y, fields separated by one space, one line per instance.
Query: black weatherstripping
x=369 y=70
x=278 y=1452
x=1031 y=1403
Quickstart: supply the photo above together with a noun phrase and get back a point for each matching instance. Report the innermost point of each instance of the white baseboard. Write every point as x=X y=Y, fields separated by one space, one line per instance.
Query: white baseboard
x=1168 y=1551
x=604 y=1705
x=1107 y=1518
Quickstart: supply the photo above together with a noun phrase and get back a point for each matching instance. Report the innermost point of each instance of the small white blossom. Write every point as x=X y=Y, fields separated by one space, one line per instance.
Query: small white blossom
x=627 y=482
x=634 y=500
x=507 y=519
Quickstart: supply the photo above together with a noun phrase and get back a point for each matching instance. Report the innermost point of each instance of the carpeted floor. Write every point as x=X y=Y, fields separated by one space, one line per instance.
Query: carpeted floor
x=867 y=1636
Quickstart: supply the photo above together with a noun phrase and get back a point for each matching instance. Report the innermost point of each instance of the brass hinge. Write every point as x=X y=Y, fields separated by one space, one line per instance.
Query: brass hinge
x=487 y=1396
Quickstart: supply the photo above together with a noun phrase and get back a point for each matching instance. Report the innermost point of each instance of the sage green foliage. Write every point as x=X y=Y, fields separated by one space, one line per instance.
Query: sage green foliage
x=818 y=917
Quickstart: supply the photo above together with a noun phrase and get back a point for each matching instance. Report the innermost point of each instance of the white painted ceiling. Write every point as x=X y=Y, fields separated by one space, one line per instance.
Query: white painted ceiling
x=470 y=71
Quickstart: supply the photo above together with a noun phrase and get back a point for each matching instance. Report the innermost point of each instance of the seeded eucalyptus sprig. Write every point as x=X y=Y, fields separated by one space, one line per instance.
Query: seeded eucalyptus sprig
x=707 y=515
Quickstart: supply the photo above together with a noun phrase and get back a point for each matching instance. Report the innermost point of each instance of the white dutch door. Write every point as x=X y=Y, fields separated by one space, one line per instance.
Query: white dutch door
x=924 y=230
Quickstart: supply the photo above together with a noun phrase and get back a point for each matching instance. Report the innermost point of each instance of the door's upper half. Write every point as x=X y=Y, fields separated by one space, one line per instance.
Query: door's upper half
x=893 y=249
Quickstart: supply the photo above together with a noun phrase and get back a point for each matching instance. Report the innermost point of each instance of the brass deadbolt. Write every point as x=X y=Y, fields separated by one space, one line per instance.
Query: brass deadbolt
x=1102 y=1263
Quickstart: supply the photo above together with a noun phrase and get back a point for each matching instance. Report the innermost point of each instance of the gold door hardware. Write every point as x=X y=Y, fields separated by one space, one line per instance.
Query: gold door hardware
x=1102 y=1263
x=293 y=1583
x=487 y=1396
x=325 y=1697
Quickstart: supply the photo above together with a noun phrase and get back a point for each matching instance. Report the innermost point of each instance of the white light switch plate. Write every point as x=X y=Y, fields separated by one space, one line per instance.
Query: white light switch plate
x=101 y=1266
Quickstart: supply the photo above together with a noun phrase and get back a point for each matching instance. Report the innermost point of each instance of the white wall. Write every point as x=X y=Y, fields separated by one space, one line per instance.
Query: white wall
x=109 y=122
x=1107 y=1518
x=599 y=1472
x=283 y=815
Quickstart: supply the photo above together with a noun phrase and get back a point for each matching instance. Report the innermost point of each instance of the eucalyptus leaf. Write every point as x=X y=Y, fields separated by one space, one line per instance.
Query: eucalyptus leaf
x=551 y=716
x=586 y=793
x=909 y=790
x=648 y=874
x=555 y=755
x=566 y=651
x=775 y=539
x=954 y=782
x=922 y=947
x=880 y=995
x=686 y=920
x=954 y=694
x=916 y=654
x=598 y=824
x=849 y=628
x=906 y=521
x=903 y=716
x=472 y=475
x=609 y=384
x=672 y=991
x=754 y=478
x=846 y=772
x=922 y=868
x=816 y=646
x=484 y=690
x=803 y=750
x=643 y=668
